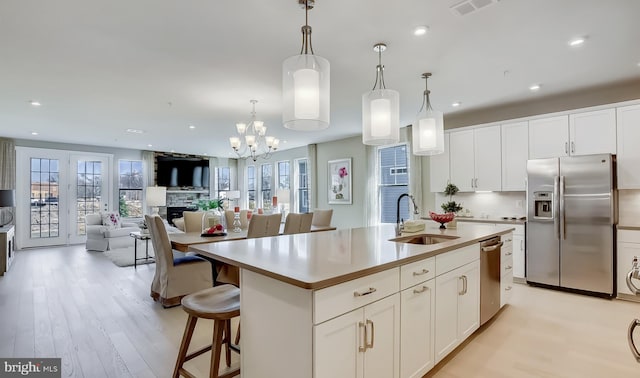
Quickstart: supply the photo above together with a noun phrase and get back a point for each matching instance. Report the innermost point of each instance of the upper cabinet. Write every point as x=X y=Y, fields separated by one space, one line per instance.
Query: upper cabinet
x=515 y=152
x=577 y=134
x=475 y=159
x=439 y=168
x=628 y=158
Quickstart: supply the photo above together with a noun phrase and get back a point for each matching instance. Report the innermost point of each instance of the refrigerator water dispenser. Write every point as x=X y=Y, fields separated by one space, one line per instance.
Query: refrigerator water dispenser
x=543 y=205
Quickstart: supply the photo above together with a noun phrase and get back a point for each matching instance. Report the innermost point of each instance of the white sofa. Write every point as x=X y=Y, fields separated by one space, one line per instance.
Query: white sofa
x=103 y=238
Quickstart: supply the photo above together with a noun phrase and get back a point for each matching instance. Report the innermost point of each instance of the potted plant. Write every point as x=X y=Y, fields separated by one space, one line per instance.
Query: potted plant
x=451 y=206
x=213 y=212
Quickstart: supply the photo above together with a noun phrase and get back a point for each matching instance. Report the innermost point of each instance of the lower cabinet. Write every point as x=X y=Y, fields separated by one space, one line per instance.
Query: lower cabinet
x=628 y=248
x=417 y=327
x=363 y=342
x=457 y=312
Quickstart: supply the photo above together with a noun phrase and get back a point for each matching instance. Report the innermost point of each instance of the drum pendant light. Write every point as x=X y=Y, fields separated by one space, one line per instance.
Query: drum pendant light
x=380 y=109
x=428 y=129
x=305 y=84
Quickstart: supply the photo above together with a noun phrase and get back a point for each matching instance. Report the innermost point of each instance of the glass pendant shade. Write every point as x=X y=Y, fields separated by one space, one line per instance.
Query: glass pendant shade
x=380 y=117
x=305 y=84
x=428 y=133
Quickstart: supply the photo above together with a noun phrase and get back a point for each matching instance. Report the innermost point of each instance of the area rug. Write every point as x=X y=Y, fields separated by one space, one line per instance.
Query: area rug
x=124 y=256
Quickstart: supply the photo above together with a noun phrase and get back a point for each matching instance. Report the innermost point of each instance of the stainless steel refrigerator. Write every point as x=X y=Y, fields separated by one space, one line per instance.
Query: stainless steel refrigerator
x=570 y=223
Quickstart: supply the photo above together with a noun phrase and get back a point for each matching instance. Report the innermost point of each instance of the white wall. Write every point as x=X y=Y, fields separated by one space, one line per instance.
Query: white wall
x=629 y=208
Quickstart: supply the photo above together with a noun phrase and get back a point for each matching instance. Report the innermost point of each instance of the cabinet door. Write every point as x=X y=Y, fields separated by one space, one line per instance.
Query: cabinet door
x=518 y=256
x=336 y=347
x=515 y=152
x=439 y=168
x=461 y=160
x=487 y=158
x=626 y=253
x=448 y=287
x=469 y=302
x=417 y=328
x=382 y=319
x=628 y=158
x=549 y=137
x=593 y=132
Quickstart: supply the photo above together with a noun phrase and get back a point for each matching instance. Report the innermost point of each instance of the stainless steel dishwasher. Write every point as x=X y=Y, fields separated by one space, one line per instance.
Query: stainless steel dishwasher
x=489 y=278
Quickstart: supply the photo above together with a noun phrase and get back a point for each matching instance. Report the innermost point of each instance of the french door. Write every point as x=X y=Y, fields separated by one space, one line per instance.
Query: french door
x=55 y=191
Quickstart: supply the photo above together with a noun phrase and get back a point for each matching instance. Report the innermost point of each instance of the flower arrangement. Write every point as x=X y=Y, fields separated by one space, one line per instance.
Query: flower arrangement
x=451 y=206
x=211 y=204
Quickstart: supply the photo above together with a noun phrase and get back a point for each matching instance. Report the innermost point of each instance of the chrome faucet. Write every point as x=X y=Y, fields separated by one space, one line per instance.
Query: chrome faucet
x=399 y=222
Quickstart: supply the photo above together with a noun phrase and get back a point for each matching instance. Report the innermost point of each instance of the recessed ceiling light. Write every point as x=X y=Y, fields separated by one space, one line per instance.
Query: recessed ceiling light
x=34 y=133
x=421 y=30
x=576 y=42
x=173 y=150
x=534 y=87
x=149 y=145
x=135 y=131
x=192 y=127
x=456 y=104
x=35 y=103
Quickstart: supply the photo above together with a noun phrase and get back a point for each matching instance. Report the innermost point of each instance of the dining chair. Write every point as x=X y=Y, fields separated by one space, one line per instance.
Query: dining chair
x=322 y=218
x=229 y=216
x=297 y=223
x=193 y=221
x=176 y=276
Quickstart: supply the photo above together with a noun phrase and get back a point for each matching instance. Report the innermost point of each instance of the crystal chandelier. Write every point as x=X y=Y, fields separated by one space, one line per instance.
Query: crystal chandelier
x=305 y=84
x=252 y=140
x=428 y=129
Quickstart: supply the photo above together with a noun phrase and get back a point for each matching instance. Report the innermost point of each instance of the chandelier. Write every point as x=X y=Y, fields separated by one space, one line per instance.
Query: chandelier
x=252 y=140
x=428 y=130
x=380 y=109
x=305 y=84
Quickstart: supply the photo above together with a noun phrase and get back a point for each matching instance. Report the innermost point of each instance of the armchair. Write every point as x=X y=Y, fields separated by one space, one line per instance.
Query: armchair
x=102 y=237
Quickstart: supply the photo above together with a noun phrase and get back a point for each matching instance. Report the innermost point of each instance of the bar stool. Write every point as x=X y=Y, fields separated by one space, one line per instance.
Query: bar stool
x=220 y=303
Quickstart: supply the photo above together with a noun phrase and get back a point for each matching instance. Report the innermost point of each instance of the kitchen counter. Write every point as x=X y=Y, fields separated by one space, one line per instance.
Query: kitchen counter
x=492 y=220
x=322 y=259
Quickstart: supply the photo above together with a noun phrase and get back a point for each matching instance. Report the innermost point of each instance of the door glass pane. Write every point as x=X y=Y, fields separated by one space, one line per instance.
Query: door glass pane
x=88 y=192
x=44 y=198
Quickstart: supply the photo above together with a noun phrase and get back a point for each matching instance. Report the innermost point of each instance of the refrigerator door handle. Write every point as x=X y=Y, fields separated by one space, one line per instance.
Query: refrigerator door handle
x=566 y=148
x=632 y=346
x=556 y=225
x=563 y=231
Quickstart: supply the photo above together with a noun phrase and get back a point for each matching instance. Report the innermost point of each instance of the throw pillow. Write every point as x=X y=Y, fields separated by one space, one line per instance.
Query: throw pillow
x=111 y=220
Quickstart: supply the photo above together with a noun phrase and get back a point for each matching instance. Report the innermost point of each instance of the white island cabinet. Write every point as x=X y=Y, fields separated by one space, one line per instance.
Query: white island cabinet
x=353 y=303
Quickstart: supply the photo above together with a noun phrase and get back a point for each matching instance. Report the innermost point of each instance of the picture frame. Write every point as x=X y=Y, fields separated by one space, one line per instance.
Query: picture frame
x=339 y=182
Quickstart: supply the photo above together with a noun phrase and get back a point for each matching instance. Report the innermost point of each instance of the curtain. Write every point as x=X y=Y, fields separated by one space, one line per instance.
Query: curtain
x=7 y=164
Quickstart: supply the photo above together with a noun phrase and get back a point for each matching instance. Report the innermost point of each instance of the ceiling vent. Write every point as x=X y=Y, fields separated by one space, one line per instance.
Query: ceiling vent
x=470 y=6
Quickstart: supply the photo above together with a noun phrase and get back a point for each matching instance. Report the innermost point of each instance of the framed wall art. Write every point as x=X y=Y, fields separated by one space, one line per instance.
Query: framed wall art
x=340 y=181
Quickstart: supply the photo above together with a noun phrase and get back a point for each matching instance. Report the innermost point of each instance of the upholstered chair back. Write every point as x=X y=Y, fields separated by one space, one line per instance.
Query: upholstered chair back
x=322 y=218
x=297 y=223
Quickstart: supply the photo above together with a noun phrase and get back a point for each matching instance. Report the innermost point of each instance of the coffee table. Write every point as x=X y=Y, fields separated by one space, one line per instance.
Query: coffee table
x=137 y=235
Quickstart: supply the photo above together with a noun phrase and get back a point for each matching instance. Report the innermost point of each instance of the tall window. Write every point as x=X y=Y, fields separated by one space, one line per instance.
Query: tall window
x=302 y=185
x=130 y=187
x=45 y=174
x=265 y=185
x=393 y=173
x=223 y=181
x=251 y=186
x=284 y=182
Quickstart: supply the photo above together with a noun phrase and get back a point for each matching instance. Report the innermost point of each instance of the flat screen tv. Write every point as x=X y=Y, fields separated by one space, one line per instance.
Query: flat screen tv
x=182 y=172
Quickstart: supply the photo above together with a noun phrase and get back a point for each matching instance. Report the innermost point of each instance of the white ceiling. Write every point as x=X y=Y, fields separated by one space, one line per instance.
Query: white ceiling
x=101 y=67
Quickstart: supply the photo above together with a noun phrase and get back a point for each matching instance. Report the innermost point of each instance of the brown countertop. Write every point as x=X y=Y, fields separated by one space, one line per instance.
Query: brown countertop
x=321 y=259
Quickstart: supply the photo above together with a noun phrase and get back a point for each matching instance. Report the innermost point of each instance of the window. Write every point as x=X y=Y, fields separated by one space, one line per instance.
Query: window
x=394 y=180
x=251 y=186
x=302 y=185
x=45 y=174
x=130 y=185
x=284 y=180
x=265 y=185
x=223 y=181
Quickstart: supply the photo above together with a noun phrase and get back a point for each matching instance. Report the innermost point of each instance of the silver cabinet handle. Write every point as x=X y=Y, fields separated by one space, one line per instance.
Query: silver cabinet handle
x=424 y=271
x=508 y=288
x=362 y=326
x=573 y=147
x=464 y=285
x=632 y=345
x=508 y=254
x=359 y=294
x=492 y=247
x=373 y=332
x=421 y=290
x=522 y=244
x=566 y=148
x=508 y=267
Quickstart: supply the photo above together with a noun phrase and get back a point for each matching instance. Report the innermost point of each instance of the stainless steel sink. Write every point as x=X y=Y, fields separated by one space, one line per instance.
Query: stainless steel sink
x=424 y=239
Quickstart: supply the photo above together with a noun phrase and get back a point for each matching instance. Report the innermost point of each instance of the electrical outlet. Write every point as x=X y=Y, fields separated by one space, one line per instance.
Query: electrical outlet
x=519 y=204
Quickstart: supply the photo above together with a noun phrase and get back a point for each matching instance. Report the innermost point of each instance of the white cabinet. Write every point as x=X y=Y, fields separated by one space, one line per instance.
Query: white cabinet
x=439 y=168
x=515 y=152
x=417 y=327
x=363 y=342
x=475 y=159
x=628 y=248
x=506 y=268
x=518 y=252
x=457 y=313
x=628 y=157
x=584 y=133
x=592 y=132
x=549 y=137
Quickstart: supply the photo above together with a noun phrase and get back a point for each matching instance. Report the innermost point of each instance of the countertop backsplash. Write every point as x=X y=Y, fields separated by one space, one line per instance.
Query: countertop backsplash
x=629 y=208
x=488 y=205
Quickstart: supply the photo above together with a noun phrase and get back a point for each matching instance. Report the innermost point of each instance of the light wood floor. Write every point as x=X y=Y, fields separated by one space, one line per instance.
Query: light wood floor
x=70 y=303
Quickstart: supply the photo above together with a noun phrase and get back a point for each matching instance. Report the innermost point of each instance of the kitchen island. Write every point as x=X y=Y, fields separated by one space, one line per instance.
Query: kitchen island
x=344 y=303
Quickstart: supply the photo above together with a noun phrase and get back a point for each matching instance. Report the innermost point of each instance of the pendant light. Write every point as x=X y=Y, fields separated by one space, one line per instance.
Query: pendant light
x=305 y=84
x=428 y=129
x=380 y=109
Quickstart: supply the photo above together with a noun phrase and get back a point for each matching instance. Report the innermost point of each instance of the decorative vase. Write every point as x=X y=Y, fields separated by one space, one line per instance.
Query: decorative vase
x=174 y=177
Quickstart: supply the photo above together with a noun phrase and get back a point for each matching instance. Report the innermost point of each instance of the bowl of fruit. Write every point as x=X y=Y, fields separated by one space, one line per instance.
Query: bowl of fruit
x=217 y=230
x=442 y=218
